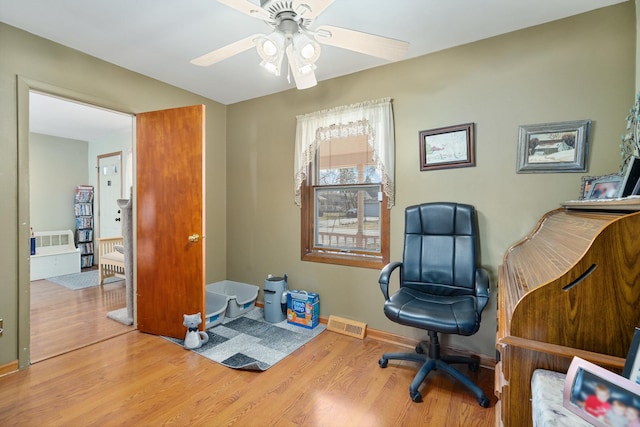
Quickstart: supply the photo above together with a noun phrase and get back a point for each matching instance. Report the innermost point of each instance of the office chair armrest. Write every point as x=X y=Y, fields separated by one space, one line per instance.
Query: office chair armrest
x=482 y=288
x=385 y=275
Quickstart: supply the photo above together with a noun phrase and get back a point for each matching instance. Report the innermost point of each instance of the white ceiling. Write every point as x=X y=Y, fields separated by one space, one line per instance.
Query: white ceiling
x=67 y=119
x=158 y=38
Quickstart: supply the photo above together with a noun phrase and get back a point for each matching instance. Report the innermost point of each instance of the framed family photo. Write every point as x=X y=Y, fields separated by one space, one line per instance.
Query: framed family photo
x=553 y=147
x=599 y=396
x=447 y=147
x=606 y=187
x=585 y=187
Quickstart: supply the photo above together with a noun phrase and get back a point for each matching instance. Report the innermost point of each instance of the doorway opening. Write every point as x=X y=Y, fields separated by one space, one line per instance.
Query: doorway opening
x=75 y=144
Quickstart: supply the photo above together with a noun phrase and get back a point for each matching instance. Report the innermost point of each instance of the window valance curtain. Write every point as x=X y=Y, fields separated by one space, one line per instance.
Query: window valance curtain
x=371 y=118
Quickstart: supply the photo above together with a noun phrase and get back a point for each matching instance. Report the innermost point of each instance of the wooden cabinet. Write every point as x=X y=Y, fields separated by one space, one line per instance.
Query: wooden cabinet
x=569 y=288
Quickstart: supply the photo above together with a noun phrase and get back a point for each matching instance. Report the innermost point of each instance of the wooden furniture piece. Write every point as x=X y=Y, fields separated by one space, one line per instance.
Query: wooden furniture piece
x=110 y=260
x=569 y=288
x=56 y=255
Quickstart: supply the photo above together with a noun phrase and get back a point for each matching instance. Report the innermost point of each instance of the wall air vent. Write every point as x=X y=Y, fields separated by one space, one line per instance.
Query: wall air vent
x=347 y=327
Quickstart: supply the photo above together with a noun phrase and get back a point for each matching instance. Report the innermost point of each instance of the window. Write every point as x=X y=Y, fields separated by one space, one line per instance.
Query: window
x=343 y=193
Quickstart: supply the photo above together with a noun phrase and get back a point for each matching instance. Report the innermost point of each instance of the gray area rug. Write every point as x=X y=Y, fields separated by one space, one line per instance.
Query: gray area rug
x=251 y=343
x=85 y=279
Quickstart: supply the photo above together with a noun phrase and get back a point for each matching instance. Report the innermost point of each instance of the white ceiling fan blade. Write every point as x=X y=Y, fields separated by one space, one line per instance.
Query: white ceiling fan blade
x=225 y=52
x=310 y=9
x=303 y=81
x=369 y=44
x=248 y=8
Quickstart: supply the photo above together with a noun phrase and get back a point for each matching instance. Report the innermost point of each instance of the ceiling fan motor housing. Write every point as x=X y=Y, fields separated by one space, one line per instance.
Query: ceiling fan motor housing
x=286 y=12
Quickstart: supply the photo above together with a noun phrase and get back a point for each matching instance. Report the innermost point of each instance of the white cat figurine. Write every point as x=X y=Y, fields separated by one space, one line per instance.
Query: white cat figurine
x=194 y=337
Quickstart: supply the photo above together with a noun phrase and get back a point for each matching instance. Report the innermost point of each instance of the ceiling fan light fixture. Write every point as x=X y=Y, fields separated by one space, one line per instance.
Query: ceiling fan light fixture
x=271 y=67
x=306 y=49
x=292 y=35
x=306 y=68
x=303 y=54
x=271 y=50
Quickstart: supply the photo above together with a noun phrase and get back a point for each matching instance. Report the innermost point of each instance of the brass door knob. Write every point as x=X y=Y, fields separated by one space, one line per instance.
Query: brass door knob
x=194 y=238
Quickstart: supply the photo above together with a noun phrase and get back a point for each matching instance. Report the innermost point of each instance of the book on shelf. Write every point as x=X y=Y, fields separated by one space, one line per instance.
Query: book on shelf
x=84 y=209
x=86 y=261
x=84 y=194
x=84 y=222
x=86 y=248
x=85 y=235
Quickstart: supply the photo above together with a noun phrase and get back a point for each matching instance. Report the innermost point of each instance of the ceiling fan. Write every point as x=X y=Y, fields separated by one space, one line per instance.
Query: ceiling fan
x=292 y=37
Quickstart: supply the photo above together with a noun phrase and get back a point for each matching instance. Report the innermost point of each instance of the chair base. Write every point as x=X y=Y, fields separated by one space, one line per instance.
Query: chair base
x=433 y=362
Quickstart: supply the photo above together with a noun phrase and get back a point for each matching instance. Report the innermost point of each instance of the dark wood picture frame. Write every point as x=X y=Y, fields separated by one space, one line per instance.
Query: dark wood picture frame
x=447 y=147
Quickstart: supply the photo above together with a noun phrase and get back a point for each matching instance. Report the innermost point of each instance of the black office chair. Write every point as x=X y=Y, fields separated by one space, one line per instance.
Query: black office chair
x=441 y=287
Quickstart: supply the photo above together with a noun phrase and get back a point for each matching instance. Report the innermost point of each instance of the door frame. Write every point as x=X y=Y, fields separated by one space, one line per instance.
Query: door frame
x=24 y=86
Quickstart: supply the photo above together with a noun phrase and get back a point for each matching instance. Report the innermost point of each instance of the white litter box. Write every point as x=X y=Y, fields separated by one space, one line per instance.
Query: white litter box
x=241 y=297
x=216 y=307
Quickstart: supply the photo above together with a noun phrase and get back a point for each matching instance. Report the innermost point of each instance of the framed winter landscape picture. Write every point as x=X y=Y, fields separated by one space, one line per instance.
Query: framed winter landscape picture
x=553 y=147
x=447 y=147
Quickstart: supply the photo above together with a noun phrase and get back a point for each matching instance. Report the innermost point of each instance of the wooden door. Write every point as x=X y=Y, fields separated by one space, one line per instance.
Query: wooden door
x=170 y=219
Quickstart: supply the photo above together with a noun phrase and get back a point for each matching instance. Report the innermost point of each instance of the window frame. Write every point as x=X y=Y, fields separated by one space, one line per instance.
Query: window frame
x=329 y=256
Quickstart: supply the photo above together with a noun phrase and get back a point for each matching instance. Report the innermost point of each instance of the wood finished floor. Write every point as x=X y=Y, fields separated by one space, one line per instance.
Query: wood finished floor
x=136 y=379
x=63 y=320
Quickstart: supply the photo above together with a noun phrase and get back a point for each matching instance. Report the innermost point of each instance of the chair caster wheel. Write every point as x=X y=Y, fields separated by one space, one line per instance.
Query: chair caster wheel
x=416 y=396
x=419 y=349
x=383 y=362
x=484 y=402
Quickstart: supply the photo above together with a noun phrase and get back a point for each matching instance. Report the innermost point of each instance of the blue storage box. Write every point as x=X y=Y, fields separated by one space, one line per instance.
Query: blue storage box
x=303 y=308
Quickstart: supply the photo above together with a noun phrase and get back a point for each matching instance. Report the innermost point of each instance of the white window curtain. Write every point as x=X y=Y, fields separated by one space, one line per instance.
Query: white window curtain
x=371 y=118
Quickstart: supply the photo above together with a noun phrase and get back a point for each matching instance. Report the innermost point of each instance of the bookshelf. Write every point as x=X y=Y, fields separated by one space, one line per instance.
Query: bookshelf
x=83 y=206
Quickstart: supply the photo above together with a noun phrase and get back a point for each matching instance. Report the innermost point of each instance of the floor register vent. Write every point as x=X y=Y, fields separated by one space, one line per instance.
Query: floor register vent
x=344 y=326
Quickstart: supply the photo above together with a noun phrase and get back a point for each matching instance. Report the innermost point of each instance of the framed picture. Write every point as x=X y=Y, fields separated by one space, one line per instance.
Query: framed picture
x=606 y=187
x=599 y=396
x=631 y=178
x=632 y=365
x=553 y=147
x=447 y=147
x=585 y=188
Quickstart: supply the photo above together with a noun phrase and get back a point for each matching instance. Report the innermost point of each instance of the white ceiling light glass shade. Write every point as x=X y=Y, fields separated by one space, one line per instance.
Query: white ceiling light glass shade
x=271 y=50
x=303 y=80
x=306 y=52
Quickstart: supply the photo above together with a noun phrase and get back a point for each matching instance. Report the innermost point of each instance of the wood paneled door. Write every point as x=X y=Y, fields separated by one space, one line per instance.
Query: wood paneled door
x=170 y=218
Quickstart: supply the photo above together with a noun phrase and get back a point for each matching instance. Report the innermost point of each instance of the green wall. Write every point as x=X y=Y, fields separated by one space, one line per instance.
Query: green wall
x=29 y=61
x=577 y=68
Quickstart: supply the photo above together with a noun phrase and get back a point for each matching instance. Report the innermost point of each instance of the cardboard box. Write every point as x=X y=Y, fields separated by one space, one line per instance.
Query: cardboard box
x=303 y=308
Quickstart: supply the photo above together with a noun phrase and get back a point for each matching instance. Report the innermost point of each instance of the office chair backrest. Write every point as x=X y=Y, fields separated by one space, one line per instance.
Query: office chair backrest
x=440 y=248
